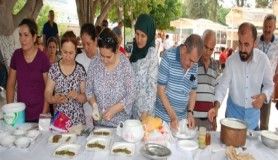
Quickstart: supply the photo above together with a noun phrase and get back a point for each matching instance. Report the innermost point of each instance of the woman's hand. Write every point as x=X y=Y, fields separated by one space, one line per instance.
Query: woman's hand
x=111 y=111
x=59 y=99
x=73 y=94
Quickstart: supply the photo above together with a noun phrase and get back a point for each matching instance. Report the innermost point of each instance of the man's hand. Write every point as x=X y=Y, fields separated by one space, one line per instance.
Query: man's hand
x=174 y=125
x=212 y=114
x=191 y=120
x=258 y=100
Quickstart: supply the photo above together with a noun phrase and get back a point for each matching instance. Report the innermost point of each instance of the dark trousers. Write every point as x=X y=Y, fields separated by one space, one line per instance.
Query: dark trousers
x=264 y=119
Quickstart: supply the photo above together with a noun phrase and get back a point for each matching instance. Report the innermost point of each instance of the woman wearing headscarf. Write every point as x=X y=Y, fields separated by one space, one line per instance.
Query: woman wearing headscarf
x=144 y=61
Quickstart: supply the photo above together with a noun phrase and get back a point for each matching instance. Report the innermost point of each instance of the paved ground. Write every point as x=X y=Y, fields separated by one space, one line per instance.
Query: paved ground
x=273 y=120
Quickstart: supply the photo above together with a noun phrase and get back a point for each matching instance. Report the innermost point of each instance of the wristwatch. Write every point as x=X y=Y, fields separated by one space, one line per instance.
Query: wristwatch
x=190 y=111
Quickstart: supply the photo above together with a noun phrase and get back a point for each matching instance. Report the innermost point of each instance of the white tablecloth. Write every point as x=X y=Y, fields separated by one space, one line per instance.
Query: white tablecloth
x=42 y=150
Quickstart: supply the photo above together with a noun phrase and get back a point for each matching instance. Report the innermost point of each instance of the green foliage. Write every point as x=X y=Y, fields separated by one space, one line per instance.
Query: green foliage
x=133 y=8
x=262 y=3
x=42 y=17
x=197 y=9
x=18 y=6
x=164 y=13
x=221 y=14
x=208 y=9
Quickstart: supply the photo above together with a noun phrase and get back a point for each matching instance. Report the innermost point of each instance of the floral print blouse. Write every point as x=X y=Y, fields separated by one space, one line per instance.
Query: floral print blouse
x=63 y=85
x=146 y=71
x=111 y=87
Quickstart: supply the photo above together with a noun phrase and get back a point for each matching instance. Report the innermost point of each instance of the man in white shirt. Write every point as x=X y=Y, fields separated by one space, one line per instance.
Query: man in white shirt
x=89 y=42
x=268 y=43
x=244 y=74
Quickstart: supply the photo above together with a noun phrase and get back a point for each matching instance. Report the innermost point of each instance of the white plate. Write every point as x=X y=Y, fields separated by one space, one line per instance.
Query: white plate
x=187 y=145
x=34 y=133
x=8 y=141
x=190 y=134
x=100 y=140
x=75 y=148
x=27 y=126
x=155 y=151
x=123 y=145
x=22 y=142
x=19 y=132
x=66 y=138
x=101 y=130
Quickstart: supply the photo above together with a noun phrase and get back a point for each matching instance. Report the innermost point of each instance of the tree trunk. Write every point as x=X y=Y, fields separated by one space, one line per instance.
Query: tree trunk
x=120 y=10
x=104 y=11
x=9 y=22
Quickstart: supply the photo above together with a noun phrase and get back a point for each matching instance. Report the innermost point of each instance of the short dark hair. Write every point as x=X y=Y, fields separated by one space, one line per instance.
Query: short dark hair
x=108 y=39
x=194 y=41
x=270 y=17
x=31 y=24
x=52 y=39
x=69 y=36
x=246 y=25
x=89 y=29
x=104 y=23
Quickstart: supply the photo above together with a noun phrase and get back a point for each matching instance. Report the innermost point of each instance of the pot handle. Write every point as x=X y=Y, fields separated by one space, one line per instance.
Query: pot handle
x=120 y=128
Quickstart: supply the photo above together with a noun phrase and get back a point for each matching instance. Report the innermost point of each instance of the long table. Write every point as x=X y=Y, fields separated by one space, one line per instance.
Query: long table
x=42 y=150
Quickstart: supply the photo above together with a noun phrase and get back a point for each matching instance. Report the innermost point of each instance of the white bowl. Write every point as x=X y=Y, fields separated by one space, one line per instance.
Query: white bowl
x=270 y=139
x=23 y=142
x=33 y=133
x=8 y=141
x=187 y=145
x=3 y=135
x=19 y=132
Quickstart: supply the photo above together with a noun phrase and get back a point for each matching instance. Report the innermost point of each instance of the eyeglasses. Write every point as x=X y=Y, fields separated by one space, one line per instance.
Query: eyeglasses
x=210 y=49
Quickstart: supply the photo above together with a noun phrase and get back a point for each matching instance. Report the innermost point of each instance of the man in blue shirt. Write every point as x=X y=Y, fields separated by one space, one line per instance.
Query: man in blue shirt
x=244 y=74
x=177 y=82
x=50 y=28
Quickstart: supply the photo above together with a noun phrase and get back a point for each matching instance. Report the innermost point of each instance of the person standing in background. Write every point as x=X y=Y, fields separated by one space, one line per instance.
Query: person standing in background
x=89 y=41
x=50 y=28
x=222 y=58
x=268 y=43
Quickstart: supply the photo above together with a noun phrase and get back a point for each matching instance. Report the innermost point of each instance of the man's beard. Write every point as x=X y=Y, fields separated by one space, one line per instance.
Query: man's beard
x=244 y=56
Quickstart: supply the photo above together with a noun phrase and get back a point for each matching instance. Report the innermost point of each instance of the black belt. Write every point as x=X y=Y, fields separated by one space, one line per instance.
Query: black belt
x=203 y=119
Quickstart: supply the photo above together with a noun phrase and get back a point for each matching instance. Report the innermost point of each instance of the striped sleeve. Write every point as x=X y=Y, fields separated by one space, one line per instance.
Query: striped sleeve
x=163 y=71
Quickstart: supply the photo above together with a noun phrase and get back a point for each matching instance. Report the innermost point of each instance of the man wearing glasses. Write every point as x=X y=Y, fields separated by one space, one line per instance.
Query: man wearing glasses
x=208 y=71
x=177 y=82
x=244 y=74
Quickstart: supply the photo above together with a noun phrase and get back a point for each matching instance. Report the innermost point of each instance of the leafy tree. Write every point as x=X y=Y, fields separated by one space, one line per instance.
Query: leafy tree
x=133 y=8
x=42 y=17
x=197 y=9
x=221 y=14
x=165 y=13
x=262 y=3
x=11 y=14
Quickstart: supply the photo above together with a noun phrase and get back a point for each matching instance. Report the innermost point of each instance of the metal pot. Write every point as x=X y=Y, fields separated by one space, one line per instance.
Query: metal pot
x=233 y=132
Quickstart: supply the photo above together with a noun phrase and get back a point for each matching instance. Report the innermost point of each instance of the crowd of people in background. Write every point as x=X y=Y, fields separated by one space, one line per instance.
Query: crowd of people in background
x=103 y=85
